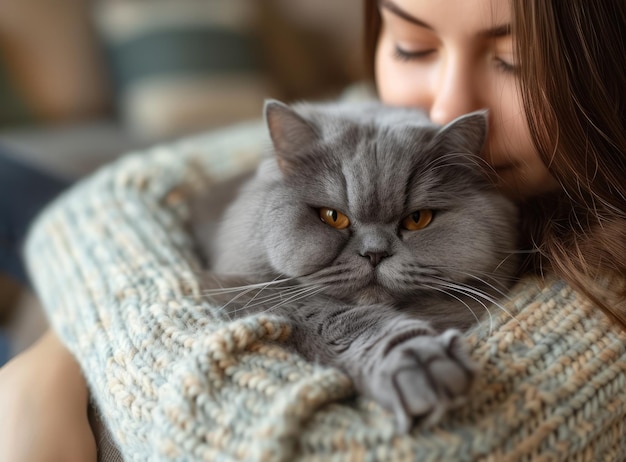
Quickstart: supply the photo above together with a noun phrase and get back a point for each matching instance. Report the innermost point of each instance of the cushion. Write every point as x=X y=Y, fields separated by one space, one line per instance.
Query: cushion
x=51 y=68
x=14 y=109
x=181 y=66
x=116 y=268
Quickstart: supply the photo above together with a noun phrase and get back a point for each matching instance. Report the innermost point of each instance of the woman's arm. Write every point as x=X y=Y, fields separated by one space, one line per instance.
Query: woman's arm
x=43 y=406
x=95 y=296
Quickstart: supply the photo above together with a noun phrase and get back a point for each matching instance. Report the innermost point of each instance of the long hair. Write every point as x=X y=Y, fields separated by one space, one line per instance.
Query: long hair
x=572 y=57
x=372 y=31
x=573 y=84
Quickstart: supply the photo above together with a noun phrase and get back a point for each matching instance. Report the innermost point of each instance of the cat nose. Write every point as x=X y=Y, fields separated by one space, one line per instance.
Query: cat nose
x=375 y=257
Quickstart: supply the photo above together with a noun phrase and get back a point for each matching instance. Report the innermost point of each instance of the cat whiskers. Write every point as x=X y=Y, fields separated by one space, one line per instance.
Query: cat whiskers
x=433 y=277
x=332 y=275
x=476 y=295
x=279 y=295
x=229 y=289
x=240 y=291
x=492 y=279
x=503 y=261
x=496 y=280
x=460 y=300
x=447 y=290
x=296 y=296
x=293 y=296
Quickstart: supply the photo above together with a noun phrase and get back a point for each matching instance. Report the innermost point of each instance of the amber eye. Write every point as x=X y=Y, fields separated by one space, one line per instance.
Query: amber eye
x=418 y=220
x=334 y=218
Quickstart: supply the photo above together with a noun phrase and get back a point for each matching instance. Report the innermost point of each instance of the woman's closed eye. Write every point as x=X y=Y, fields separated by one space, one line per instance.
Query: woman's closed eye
x=411 y=55
x=505 y=65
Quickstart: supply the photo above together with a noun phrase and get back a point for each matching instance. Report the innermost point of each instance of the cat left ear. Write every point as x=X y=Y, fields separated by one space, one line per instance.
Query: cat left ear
x=466 y=133
x=288 y=131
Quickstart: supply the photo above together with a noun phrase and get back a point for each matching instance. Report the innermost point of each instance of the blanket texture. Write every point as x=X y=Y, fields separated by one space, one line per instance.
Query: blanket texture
x=116 y=269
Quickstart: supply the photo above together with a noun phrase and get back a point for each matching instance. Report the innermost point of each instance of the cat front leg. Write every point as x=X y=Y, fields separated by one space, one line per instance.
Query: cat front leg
x=418 y=378
x=401 y=362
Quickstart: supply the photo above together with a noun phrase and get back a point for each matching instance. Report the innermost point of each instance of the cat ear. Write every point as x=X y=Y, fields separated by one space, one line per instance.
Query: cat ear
x=466 y=134
x=288 y=131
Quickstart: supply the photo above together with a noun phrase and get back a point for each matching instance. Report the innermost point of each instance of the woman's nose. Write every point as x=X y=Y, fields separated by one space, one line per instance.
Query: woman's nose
x=454 y=93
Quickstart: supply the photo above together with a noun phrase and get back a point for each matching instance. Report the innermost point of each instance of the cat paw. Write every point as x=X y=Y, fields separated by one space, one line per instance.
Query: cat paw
x=421 y=378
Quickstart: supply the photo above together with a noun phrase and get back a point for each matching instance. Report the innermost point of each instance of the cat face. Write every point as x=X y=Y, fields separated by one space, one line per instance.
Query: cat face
x=377 y=204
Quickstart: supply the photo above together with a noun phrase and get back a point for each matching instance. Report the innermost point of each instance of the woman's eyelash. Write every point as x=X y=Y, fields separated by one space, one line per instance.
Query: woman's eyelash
x=505 y=66
x=403 y=55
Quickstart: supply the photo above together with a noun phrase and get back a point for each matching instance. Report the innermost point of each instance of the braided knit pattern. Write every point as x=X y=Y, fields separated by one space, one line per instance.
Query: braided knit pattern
x=115 y=267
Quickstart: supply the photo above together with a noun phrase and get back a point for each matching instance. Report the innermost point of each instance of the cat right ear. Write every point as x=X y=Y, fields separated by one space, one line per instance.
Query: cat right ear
x=288 y=131
x=466 y=133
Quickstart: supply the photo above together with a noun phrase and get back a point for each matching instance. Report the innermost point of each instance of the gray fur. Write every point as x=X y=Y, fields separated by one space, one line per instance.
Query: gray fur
x=383 y=303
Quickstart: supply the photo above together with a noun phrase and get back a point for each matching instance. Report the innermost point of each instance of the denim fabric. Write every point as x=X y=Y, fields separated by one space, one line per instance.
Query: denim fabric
x=5 y=349
x=24 y=191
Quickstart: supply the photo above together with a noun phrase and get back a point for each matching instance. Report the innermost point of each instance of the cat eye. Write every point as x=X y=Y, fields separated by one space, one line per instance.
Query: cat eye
x=418 y=220
x=334 y=218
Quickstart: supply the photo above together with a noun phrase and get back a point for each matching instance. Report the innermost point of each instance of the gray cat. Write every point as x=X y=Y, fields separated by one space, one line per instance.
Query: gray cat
x=380 y=237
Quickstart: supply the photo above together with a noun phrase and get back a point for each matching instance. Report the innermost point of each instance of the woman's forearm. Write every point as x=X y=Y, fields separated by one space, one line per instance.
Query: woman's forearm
x=43 y=406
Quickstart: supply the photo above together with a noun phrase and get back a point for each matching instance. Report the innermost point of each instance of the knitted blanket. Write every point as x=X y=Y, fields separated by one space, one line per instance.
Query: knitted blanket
x=115 y=267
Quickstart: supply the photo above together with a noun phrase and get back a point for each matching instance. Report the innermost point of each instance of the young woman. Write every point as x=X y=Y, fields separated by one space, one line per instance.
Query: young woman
x=553 y=76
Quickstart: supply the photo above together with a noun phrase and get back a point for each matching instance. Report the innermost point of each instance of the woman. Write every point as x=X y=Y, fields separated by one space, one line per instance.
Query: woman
x=552 y=75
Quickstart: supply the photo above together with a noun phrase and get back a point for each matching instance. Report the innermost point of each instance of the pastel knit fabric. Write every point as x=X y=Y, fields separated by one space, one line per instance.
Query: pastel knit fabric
x=116 y=269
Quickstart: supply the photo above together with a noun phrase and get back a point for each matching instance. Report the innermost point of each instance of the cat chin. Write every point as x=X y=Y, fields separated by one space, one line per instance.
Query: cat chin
x=373 y=294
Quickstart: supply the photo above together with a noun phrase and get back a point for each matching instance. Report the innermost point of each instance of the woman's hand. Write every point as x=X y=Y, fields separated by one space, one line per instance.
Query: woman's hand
x=43 y=407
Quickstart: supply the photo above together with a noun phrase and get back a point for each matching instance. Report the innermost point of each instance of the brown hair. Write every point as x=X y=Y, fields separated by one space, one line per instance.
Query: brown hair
x=572 y=78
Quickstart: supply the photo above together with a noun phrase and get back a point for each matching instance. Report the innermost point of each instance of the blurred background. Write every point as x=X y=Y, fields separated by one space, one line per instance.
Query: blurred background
x=83 y=81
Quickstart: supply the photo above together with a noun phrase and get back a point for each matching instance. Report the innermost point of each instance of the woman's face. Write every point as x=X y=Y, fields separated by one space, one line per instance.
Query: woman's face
x=451 y=57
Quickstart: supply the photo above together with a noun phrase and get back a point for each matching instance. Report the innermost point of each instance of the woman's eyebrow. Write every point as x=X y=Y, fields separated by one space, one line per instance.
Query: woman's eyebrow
x=497 y=31
x=395 y=9
x=493 y=32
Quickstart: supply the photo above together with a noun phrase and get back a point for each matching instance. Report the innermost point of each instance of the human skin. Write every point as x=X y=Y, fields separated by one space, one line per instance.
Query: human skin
x=43 y=407
x=451 y=57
